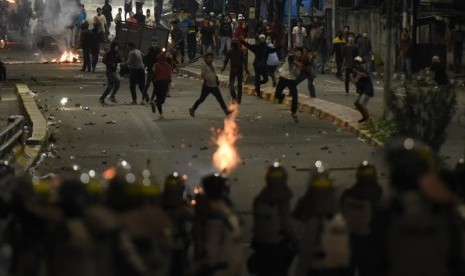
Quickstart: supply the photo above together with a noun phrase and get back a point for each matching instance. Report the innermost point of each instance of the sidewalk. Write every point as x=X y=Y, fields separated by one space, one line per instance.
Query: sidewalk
x=336 y=107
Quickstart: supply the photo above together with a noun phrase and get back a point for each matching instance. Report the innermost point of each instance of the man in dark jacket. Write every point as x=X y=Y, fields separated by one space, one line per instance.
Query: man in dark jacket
x=440 y=74
x=238 y=63
x=192 y=31
x=111 y=60
x=261 y=51
x=149 y=60
x=106 y=11
x=96 y=37
x=84 y=45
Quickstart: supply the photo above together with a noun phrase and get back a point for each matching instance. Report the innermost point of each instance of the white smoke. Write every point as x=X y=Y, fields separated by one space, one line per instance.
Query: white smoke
x=58 y=16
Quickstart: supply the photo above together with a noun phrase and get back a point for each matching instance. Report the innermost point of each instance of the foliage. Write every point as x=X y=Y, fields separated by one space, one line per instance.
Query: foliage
x=423 y=112
x=382 y=130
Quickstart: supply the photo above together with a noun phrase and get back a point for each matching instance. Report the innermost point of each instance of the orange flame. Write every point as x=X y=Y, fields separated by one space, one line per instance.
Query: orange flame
x=66 y=57
x=226 y=157
x=69 y=56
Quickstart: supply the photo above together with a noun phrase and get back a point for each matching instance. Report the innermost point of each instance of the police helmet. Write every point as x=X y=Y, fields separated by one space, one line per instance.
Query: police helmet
x=214 y=186
x=276 y=174
x=409 y=160
x=319 y=177
x=366 y=172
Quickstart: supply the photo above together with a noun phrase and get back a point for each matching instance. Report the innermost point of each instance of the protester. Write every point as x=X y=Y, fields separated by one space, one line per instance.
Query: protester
x=149 y=19
x=96 y=37
x=79 y=20
x=107 y=12
x=236 y=70
x=365 y=49
x=405 y=55
x=307 y=70
x=84 y=44
x=458 y=38
x=440 y=74
x=338 y=44
x=158 y=11
x=299 y=33
x=139 y=17
x=118 y=18
x=161 y=83
x=261 y=52
x=149 y=60
x=287 y=78
x=272 y=62
x=225 y=33
x=192 y=30
x=111 y=60
x=364 y=86
x=127 y=8
x=101 y=21
x=209 y=86
x=207 y=37
x=349 y=52
x=137 y=73
x=132 y=19
x=320 y=50
x=177 y=39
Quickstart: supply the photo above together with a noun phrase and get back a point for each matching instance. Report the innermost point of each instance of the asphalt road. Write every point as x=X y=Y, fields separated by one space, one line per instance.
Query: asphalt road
x=180 y=142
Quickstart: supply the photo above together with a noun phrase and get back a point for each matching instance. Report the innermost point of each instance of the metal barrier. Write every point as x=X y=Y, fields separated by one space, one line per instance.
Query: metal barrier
x=11 y=134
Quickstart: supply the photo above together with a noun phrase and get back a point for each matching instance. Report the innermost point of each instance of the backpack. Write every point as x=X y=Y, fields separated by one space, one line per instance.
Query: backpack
x=357 y=214
x=267 y=223
x=420 y=238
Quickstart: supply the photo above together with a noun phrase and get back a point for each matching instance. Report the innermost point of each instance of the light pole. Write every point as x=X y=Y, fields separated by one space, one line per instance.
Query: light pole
x=289 y=31
x=388 y=56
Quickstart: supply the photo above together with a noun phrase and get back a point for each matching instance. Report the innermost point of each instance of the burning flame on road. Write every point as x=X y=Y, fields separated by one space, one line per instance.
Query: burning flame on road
x=67 y=57
x=226 y=157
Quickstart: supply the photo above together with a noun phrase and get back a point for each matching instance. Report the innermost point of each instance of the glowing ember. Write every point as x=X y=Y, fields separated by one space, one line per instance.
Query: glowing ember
x=226 y=157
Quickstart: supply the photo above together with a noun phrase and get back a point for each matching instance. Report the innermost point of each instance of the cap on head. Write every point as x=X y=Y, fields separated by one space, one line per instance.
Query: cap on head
x=262 y=36
x=358 y=58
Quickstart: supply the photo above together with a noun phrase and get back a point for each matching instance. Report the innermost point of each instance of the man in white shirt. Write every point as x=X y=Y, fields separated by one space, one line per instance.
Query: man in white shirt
x=299 y=33
x=101 y=20
x=149 y=19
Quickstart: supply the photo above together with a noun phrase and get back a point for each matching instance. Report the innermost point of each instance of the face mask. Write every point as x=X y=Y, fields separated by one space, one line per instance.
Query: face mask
x=364 y=34
x=268 y=41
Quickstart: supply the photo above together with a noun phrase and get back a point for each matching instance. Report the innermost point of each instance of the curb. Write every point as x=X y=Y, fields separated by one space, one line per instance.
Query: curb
x=310 y=106
x=38 y=125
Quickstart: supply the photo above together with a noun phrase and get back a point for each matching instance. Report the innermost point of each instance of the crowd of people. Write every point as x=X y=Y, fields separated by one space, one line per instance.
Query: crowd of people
x=120 y=222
